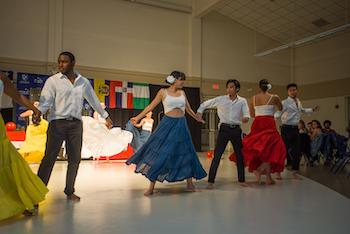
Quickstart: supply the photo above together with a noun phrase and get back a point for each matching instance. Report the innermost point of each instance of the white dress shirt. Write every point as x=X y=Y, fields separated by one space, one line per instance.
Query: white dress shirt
x=65 y=100
x=291 y=112
x=229 y=111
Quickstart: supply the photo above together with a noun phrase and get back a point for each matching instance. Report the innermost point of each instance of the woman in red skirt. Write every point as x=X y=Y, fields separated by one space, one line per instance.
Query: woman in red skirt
x=263 y=148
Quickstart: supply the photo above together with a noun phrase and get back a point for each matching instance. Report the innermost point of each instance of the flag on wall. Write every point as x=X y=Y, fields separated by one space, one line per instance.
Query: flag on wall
x=123 y=91
x=101 y=88
x=141 y=96
x=128 y=95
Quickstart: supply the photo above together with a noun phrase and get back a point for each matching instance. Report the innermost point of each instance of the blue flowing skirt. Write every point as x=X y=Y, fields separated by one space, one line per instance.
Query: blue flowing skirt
x=139 y=136
x=169 y=153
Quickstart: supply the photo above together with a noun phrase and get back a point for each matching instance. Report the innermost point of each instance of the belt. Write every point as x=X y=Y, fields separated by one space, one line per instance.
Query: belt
x=289 y=126
x=230 y=125
x=72 y=119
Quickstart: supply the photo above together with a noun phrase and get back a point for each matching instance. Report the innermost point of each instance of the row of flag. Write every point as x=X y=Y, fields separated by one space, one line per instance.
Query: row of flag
x=122 y=94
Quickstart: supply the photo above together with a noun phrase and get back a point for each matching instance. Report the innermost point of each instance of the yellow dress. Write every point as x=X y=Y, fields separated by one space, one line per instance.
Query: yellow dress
x=33 y=149
x=20 y=188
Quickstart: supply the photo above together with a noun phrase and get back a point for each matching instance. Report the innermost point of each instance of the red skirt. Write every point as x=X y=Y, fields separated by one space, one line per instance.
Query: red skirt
x=264 y=144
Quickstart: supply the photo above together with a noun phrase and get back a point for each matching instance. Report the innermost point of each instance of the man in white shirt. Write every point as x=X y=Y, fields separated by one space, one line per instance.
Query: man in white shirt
x=290 y=116
x=63 y=94
x=232 y=111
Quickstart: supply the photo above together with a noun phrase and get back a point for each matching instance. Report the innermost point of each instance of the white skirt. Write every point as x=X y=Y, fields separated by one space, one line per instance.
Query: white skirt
x=99 y=141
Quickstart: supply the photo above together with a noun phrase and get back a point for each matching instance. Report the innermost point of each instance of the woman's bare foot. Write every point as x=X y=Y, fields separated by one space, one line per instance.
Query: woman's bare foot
x=258 y=176
x=269 y=180
x=150 y=189
x=190 y=186
x=296 y=176
x=278 y=176
x=148 y=193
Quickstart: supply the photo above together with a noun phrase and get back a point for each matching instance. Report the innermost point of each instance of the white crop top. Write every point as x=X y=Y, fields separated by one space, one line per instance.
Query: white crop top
x=1 y=90
x=147 y=126
x=264 y=110
x=170 y=103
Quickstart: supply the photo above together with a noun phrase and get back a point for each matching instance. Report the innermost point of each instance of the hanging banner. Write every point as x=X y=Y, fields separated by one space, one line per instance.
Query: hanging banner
x=29 y=85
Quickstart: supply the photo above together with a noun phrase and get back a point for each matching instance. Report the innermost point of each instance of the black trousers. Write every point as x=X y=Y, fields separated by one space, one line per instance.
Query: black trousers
x=291 y=138
x=226 y=134
x=70 y=131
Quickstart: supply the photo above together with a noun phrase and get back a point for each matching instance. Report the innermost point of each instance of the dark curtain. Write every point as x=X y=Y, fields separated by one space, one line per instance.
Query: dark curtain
x=7 y=114
x=121 y=116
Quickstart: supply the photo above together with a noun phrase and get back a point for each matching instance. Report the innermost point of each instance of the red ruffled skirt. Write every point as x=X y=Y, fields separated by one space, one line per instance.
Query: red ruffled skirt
x=264 y=144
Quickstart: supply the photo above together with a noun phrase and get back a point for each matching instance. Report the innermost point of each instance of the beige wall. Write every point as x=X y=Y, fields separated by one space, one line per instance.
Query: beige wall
x=228 y=50
x=115 y=39
x=24 y=29
x=122 y=35
x=325 y=60
x=328 y=110
x=110 y=34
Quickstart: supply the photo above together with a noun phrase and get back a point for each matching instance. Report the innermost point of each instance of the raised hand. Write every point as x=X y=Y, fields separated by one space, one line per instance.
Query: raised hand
x=134 y=121
x=316 y=108
x=36 y=118
x=109 y=123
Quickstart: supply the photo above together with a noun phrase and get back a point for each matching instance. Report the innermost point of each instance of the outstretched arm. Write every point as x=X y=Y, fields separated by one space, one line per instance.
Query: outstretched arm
x=26 y=113
x=148 y=108
x=11 y=91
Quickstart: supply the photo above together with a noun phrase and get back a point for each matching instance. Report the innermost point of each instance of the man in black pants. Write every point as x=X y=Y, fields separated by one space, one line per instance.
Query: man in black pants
x=63 y=94
x=290 y=116
x=232 y=111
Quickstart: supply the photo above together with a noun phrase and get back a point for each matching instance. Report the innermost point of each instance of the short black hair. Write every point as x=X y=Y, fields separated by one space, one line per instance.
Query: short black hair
x=327 y=121
x=235 y=82
x=264 y=84
x=69 y=54
x=292 y=85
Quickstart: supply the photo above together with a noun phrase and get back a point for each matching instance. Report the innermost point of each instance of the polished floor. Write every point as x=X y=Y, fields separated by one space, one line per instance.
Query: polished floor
x=113 y=202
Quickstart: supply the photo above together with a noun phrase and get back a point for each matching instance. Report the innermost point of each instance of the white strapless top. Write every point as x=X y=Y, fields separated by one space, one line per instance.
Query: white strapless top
x=170 y=103
x=264 y=110
x=147 y=126
x=1 y=91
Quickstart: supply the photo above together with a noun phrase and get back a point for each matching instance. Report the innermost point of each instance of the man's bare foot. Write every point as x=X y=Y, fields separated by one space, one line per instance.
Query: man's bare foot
x=73 y=197
x=210 y=186
x=148 y=193
x=32 y=212
x=244 y=184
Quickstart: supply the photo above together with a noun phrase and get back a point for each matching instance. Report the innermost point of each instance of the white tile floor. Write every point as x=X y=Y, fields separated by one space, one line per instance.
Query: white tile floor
x=113 y=202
